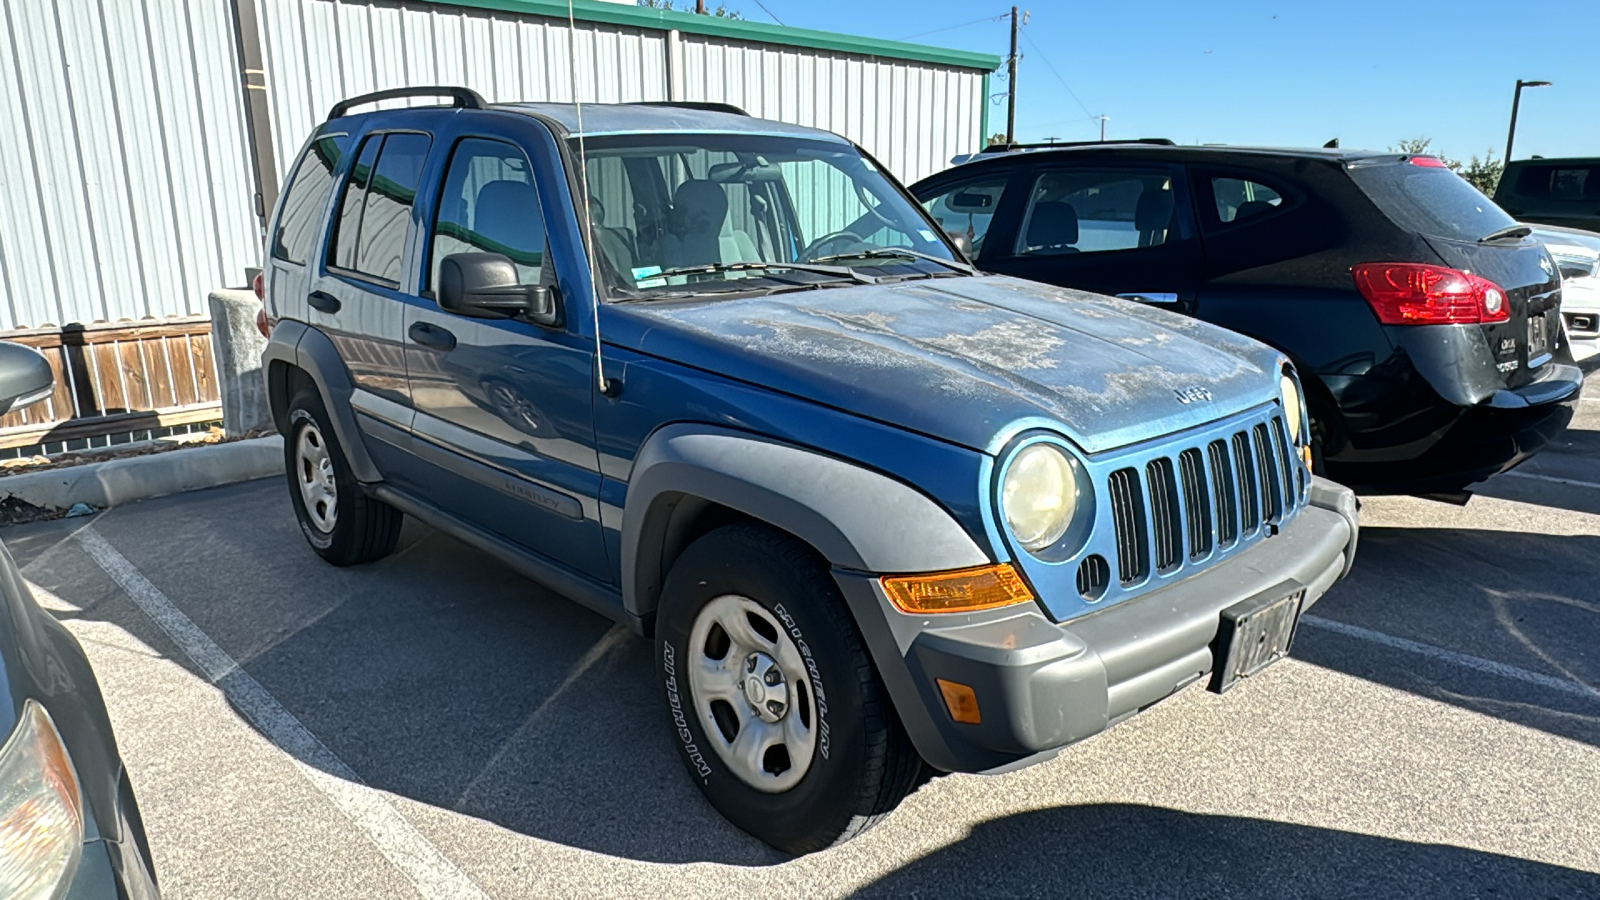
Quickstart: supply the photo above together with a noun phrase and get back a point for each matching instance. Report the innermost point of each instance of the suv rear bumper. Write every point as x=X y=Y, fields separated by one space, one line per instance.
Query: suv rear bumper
x=1492 y=437
x=1042 y=686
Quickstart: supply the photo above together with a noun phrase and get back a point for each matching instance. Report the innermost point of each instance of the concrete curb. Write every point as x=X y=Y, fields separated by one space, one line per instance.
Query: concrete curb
x=118 y=481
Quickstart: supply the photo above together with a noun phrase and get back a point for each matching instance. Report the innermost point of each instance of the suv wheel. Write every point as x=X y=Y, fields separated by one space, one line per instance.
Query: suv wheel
x=342 y=524
x=778 y=711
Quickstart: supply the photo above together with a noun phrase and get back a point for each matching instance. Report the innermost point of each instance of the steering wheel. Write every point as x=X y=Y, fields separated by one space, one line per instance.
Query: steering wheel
x=872 y=209
x=815 y=248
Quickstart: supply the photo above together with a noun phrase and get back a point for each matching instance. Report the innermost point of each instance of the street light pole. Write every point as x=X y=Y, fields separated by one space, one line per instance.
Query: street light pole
x=1516 y=100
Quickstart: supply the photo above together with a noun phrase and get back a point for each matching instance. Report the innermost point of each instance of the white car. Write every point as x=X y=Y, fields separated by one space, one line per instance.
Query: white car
x=1577 y=255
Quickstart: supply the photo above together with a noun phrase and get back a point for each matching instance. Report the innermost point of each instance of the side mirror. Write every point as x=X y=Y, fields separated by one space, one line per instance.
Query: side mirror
x=962 y=242
x=25 y=376
x=487 y=286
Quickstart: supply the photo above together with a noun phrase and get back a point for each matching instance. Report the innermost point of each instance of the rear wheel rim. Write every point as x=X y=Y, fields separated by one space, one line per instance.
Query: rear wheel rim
x=752 y=693
x=314 y=475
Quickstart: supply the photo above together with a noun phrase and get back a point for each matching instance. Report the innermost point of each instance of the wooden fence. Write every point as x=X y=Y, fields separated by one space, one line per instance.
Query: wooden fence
x=118 y=378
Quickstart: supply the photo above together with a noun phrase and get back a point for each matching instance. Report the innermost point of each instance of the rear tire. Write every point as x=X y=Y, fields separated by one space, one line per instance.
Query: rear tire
x=746 y=594
x=341 y=523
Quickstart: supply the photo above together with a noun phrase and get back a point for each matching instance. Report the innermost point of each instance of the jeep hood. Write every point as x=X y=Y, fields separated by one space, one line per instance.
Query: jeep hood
x=969 y=360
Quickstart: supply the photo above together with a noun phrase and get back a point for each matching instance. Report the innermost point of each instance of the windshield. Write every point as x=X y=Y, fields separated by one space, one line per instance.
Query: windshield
x=694 y=214
x=1431 y=200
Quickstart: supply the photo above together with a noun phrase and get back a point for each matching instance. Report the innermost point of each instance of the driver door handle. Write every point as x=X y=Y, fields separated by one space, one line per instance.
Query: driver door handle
x=432 y=336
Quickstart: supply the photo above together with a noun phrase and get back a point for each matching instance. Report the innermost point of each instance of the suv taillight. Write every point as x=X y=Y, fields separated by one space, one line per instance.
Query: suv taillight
x=259 y=285
x=1420 y=294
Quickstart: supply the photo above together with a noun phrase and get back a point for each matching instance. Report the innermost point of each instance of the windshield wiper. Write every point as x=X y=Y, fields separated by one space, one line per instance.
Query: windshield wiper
x=900 y=253
x=1510 y=231
x=709 y=268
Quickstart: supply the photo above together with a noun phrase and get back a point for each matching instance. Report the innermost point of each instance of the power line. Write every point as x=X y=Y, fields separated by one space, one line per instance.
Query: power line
x=768 y=12
x=1053 y=71
x=954 y=27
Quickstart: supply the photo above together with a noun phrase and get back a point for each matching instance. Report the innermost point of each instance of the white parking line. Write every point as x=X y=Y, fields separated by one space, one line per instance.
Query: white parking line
x=1477 y=663
x=1554 y=480
x=434 y=875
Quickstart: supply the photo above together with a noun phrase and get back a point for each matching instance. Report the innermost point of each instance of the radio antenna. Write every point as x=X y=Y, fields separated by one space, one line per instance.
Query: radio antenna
x=609 y=387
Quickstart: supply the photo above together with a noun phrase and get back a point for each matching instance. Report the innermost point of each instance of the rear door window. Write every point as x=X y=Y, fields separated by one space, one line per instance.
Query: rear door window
x=1240 y=198
x=300 y=220
x=375 y=209
x=1576 y=183
x=1430 y=200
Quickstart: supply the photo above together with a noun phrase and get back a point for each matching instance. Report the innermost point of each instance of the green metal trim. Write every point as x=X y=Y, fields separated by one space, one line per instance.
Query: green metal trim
x=737 y=29
x=983 y=117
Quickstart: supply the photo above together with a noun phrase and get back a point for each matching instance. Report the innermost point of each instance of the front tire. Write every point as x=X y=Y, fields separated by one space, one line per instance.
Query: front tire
x=341 y=523
x=778 y=711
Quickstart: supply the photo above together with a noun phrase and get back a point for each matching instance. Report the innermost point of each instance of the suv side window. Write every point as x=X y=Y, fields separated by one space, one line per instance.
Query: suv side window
x=300 y=220
x=374 y=211
x=1091 y=211
x=1240 y=198
x=968 y=208
x=488 y=204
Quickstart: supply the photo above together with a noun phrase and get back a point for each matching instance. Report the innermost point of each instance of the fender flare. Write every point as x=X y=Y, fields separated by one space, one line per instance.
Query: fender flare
x=295 y=344
x=857 y=519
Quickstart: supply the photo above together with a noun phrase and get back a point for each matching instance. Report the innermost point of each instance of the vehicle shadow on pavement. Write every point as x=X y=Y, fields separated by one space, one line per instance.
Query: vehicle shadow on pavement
x=436 y=674
x=1128 y=850
x=1528 y=601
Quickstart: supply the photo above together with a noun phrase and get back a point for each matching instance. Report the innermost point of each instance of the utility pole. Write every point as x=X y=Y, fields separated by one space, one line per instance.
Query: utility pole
x=1011 y=79
x=1102 y=127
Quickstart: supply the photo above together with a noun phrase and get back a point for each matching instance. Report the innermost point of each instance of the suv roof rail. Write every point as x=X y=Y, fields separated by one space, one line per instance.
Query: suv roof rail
x=1007 y=148
x=465 y=98
x=702 y=105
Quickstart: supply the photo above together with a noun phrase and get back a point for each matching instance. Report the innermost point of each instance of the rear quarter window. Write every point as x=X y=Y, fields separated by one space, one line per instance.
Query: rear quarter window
x=300 y=220
x=1558 y=182
x=1431 y=201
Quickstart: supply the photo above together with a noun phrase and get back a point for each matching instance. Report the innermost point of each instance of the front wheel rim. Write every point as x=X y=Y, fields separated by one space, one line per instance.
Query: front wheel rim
x=314 y=476
x=752 y=693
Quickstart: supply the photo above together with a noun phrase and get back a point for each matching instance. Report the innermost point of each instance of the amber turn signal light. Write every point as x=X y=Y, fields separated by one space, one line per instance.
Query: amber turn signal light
x=961 y=701
x=961 y=590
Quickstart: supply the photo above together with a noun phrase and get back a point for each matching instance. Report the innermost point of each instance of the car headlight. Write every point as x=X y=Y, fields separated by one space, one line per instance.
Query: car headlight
x=1039 y=495
x=41 y=810
x=1294 y=408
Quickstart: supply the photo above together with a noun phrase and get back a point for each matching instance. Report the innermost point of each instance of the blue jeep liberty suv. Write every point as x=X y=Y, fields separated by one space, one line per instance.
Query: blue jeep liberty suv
x=721 y=379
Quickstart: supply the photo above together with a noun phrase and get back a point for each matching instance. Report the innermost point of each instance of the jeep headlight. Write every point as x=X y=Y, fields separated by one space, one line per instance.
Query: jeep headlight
x=1294 y=408
x=1039 y=495
x=41 y=810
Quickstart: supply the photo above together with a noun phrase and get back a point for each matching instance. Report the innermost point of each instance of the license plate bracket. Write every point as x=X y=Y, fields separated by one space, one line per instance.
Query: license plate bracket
x=1253 y=634
x=1538 y=341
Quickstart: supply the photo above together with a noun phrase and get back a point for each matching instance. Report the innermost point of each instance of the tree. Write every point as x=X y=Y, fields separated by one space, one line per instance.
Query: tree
x=721 y=10
x=1483 y=174
x=997 y=138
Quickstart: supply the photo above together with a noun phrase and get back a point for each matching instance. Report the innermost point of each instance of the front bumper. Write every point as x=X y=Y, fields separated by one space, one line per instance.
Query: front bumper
x=1042 y=686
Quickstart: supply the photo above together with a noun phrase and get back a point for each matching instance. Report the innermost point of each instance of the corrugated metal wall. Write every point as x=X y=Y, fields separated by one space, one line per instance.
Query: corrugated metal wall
x=318 y=52
x=124 y=183
x=913 y=118
x=125 y=186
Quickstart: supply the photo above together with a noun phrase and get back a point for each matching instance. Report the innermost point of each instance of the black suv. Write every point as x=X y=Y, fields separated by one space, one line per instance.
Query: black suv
x=1562 y=192
x=1421 y=316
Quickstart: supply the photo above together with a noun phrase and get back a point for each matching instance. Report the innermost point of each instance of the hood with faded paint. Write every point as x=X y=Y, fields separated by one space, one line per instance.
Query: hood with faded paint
x=967 y=360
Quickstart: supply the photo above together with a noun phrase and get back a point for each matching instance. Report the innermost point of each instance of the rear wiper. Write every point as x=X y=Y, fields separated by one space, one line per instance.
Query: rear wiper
x=1510 y=231
x=901 y=253
x=709 y=268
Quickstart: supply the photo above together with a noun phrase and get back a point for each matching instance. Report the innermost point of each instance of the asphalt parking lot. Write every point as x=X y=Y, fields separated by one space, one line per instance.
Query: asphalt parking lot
x=433 y=725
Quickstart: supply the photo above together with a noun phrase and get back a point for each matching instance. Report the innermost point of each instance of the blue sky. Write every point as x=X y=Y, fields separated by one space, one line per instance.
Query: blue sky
x=1279 y=73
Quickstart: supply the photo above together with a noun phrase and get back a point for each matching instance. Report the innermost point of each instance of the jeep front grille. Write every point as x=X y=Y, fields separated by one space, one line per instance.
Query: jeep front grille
x=1207 y=498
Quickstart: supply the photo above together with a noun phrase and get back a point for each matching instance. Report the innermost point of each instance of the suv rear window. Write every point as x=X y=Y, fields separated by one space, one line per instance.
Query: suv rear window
x=1430 y=200
x=1578 y=183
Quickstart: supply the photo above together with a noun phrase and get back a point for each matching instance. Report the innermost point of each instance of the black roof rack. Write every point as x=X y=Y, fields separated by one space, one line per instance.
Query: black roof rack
x=465 y=98
x=1007 y=148
x=702 y=105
